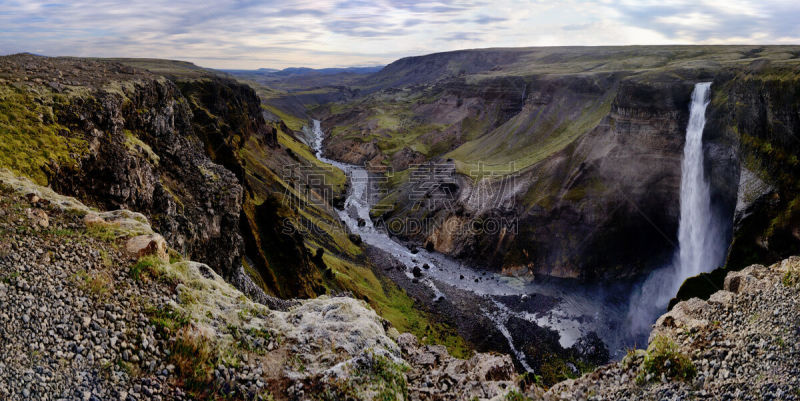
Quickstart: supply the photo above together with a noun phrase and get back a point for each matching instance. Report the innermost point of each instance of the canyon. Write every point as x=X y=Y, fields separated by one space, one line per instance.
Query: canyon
x=415 y=218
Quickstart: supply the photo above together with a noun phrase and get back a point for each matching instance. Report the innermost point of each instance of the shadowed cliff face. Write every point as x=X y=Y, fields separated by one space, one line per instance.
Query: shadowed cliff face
x=755 y=112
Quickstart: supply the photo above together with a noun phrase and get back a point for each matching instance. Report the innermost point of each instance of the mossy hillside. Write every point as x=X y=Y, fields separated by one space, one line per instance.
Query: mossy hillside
x=322 y=230
x=341 y=256
x=390 y=120
x=649 y=61
x=32 y=141
x=534 y=134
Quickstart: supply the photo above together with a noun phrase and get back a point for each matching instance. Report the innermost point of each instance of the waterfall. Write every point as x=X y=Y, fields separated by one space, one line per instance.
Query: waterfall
x=697 y=234
x=700 y=241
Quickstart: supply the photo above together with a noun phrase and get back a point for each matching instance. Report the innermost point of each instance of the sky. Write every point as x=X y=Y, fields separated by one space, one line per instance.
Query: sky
x=329 y=33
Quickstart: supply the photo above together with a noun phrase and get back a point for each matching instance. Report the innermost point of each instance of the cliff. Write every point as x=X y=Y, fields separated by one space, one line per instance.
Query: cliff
x=121 y=137
x=191 y=150
x=576 y=152
x=128 y=318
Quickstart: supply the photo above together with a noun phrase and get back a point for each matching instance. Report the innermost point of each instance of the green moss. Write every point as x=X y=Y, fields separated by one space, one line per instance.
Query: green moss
x=377 y=378
x=531 y=136
x=515 y=395
x=167 y=320
x=134 y=144
x=664 y=358
x=791 y=278
x=146 y=266
x=292 y=122
x=32 y=143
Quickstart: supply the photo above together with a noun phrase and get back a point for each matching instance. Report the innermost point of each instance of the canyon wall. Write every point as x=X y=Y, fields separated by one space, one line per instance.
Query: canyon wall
x=580 y=167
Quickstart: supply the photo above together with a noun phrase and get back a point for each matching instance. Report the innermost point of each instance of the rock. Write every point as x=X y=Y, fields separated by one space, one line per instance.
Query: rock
x=38 y=217
x=144 y=245
x=745 y=280
x=416 y=271
x=354 y=238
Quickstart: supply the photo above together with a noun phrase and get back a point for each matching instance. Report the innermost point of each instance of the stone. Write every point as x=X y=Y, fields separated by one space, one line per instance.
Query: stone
x=38 y=217
x=144 y=245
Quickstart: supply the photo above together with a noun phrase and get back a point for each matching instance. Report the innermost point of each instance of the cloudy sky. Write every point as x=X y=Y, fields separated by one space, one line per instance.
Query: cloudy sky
x=329 y=33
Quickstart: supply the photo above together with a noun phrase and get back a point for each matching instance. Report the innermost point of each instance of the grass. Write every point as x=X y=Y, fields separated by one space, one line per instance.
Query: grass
x=194 y=356
x=134 y=144
x=149 y=266
x=533 y=135
x=664 y=358
x=791 y=278
x=97 y=283
x=292 y=122
x=31 y=139
x=109 y=232
x=377 y=375
x=515 y=395
x=167 y=320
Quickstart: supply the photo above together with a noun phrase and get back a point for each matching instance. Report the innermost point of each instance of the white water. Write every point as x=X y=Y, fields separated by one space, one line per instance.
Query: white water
x=700 y=241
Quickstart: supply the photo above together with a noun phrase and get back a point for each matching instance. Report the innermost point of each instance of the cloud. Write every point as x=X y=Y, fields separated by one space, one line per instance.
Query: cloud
x=318 y=33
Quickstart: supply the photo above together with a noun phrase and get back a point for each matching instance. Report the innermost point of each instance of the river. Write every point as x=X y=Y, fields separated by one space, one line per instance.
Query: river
x=573 y=310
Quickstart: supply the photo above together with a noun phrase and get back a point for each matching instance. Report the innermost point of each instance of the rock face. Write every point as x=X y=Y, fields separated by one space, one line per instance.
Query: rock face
x=140 y=152
x=614 y=188
x=755 y=112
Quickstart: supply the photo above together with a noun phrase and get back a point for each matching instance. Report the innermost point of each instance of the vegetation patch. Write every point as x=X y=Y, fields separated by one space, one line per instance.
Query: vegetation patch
x=149 y=266
x=394 y=305
x=133 y=143
x=515 y=395
x=376 y=375
x=167 y=319
x=32 y=142
x=664 y=358
x=791 y=278
x=97 y=283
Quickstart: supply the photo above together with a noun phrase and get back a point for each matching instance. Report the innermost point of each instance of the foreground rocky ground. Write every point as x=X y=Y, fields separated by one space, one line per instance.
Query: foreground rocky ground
x=741 y=344
x=96 y=307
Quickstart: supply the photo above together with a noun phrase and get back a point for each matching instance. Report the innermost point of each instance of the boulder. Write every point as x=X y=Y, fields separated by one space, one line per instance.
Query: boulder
x=745 y=280
x=151 y=244
x=684 y=315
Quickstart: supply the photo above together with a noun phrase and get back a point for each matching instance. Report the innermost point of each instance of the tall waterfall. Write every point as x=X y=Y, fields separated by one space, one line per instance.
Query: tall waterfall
x=697 y=235
x=700 y=240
